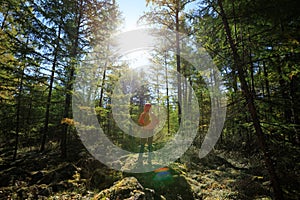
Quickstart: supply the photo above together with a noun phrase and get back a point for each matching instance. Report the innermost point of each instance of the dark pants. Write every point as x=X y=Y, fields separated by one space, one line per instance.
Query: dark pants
x=143 y=141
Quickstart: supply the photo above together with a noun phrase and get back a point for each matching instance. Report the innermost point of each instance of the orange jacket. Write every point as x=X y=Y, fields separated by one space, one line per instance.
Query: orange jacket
x=148 y=120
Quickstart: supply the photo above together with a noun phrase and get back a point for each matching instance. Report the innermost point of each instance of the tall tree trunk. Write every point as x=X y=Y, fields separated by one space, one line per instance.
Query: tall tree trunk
x=251 y=107
x=102 y=88
x=18 y=114
x=103 y=79
x=178 y=64
x=167 y=90
x=69 y=87
x=48 y=104
x=252 y=73
x=19 y=107
x=267 y=85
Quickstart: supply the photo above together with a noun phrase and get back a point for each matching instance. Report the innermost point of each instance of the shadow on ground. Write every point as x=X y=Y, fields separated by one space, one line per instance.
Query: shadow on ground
x=166 y=182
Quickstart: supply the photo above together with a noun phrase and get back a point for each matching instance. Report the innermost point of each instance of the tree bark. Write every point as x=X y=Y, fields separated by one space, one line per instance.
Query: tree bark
x=178 y=64
x=251 y=107
x=48 y=104
x=18 y=114
x=167 y=90
x=103 y=79
x=69 y=87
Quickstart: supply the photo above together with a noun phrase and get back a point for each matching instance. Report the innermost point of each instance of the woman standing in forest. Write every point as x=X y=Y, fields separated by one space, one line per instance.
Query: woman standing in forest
x=148 y=120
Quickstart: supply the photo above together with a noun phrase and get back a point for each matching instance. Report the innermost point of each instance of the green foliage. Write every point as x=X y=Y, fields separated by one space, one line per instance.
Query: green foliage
x=43 y=42
x=264 y=33
x=37 y=40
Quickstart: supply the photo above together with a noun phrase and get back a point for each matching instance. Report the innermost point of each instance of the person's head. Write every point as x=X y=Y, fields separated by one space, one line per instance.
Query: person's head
x=147 y=107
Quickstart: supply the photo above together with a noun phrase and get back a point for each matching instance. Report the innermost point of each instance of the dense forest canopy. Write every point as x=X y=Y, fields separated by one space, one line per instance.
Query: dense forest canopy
x=255 y=48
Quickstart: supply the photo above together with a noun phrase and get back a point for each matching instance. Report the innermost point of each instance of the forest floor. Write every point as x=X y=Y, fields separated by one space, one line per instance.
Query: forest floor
x=221 y=175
